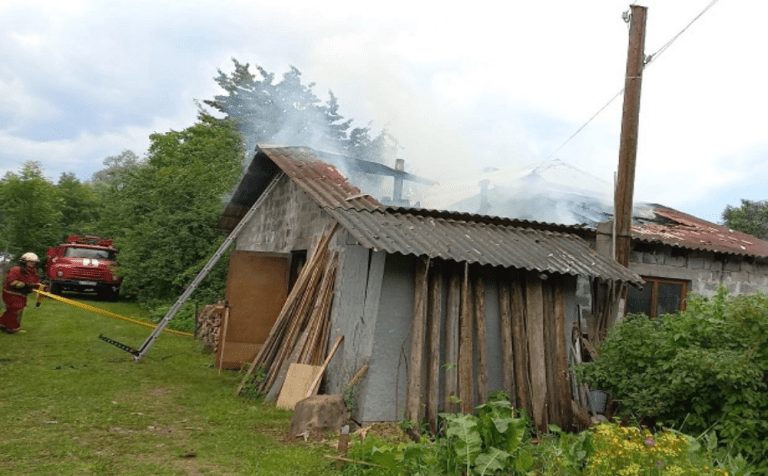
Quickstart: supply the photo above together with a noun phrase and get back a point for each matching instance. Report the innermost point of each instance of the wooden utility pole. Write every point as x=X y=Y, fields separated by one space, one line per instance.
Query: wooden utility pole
x=629 y=125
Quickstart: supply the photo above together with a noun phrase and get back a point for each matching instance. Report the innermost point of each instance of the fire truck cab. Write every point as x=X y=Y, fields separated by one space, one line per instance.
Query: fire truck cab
x=85 y=263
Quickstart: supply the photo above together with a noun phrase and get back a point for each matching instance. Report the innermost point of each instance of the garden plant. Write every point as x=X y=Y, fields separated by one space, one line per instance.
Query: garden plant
x=499 y=440
x=701 y=371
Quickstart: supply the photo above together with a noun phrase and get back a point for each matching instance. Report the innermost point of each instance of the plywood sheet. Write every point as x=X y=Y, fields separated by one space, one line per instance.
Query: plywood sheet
x=257 y=287
x=297 y=383
x=237 y=353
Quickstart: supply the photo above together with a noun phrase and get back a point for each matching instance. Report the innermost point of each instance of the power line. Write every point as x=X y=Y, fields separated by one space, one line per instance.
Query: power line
x=661 y=50
x=585 y=124
x=648 y=60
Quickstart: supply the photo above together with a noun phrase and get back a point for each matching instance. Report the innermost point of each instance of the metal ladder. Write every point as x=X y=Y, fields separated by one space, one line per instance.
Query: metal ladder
x=142 y=351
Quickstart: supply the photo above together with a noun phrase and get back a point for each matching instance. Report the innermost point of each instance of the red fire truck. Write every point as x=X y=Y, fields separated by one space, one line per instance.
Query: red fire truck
x=85 y=263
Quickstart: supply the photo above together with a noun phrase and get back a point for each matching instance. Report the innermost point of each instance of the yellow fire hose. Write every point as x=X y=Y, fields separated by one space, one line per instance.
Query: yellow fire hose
x=107 y=313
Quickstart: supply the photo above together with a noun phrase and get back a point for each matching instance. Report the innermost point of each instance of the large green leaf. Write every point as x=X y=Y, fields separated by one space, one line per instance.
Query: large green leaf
x=492 y=460
x=463 y=428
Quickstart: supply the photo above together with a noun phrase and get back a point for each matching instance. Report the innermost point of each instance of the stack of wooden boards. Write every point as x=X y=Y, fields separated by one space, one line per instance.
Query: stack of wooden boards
x=300 y=336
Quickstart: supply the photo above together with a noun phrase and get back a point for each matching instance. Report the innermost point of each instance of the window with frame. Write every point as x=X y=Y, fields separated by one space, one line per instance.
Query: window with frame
x=658 y=296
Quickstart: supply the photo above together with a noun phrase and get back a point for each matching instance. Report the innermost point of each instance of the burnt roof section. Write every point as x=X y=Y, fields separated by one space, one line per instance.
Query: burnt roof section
x=414 y=231
x=679 y=229
x=317 y=173
x=321 y=180
x=460 y=239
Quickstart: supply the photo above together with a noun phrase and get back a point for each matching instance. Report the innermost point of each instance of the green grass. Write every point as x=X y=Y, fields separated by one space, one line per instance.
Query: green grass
x=71 y=404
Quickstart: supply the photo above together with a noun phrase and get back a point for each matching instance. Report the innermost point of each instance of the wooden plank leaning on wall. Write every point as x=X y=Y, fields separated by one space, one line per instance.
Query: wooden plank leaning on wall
x=418 y=331
x=435 y=319
x=481 y=336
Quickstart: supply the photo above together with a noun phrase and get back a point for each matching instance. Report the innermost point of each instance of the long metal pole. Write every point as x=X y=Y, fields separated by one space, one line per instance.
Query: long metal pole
x=629 y=131
x=204 y=272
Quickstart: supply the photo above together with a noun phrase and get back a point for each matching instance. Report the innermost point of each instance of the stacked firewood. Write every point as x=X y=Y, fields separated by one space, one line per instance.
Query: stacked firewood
x=302 y=330
x=209 y=323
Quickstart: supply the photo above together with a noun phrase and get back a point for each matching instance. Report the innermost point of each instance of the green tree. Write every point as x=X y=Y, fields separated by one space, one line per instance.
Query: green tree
x=168 y=207
x=79 y=204
x=31 y=216
x=110 y=186
x=751 y=217
x=117 y=167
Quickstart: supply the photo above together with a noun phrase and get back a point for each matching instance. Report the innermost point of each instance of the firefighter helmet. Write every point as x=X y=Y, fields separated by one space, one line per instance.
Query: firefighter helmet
x=29 y=256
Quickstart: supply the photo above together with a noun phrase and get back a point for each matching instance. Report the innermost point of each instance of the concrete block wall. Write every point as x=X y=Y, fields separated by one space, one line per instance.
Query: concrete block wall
x=705 y=270
x=287 y=220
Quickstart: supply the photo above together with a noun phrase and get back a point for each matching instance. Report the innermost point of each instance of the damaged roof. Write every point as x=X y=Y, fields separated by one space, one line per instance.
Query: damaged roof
x=421 y=232
x=679 y=229
x=310 y=169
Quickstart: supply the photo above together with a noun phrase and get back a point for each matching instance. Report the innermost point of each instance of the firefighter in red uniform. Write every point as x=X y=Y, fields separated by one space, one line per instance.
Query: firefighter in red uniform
x=19 y=282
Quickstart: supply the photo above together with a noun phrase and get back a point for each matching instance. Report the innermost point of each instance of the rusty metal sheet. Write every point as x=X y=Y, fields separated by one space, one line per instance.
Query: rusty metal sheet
x=311 y=170
x=318 y=174
x=679 y=229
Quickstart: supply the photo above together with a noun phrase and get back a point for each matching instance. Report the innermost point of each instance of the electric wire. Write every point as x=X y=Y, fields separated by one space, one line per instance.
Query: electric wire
x=661 y=50
x=648 y=60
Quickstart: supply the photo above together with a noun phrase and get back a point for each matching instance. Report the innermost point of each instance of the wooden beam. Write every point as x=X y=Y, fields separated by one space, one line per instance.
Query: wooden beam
x=481 y=338
x=534 y=311
x=507 y=352
x=550 y=344
x=630 y=122
x=452 y=341
x=435 y=317
x=313 y=388
x=520 y=345
x=564 y=397
x=418 y=327
x=222 y=336
x=466 y=390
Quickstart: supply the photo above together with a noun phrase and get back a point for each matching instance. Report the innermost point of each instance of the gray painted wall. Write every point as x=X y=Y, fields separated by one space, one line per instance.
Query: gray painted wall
x=384 y=390
x=354 y=315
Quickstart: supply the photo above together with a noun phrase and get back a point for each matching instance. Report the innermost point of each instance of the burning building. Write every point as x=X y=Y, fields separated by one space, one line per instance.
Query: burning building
x=441 y=307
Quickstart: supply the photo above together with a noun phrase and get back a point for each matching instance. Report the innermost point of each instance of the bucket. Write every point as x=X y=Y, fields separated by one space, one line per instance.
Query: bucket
x=598 y=400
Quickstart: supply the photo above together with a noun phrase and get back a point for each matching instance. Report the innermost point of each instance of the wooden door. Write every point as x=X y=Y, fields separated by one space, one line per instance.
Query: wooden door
x=257 y=287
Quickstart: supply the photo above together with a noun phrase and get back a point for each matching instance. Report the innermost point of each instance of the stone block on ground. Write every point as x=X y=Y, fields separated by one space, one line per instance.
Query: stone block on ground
x=314 y=416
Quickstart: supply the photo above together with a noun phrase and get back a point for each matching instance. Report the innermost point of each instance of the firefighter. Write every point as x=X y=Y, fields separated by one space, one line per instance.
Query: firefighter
x=19 y=282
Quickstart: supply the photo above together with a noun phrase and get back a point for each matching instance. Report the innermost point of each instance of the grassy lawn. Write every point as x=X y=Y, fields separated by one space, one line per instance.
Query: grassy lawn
x=71 y=404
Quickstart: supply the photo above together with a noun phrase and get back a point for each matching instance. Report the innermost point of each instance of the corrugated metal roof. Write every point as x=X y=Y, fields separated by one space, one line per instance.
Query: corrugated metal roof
x=581 y=230
x=488 y=244
x=686 y=231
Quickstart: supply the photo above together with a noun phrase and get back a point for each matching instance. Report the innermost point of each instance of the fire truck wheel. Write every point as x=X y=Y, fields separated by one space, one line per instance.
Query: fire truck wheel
x=55 y=288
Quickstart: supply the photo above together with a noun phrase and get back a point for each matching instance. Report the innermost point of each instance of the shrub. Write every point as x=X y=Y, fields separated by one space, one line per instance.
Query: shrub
x=698 y=370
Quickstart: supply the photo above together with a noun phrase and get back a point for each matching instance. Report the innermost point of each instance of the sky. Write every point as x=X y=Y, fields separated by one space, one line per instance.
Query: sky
x=463 y=88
